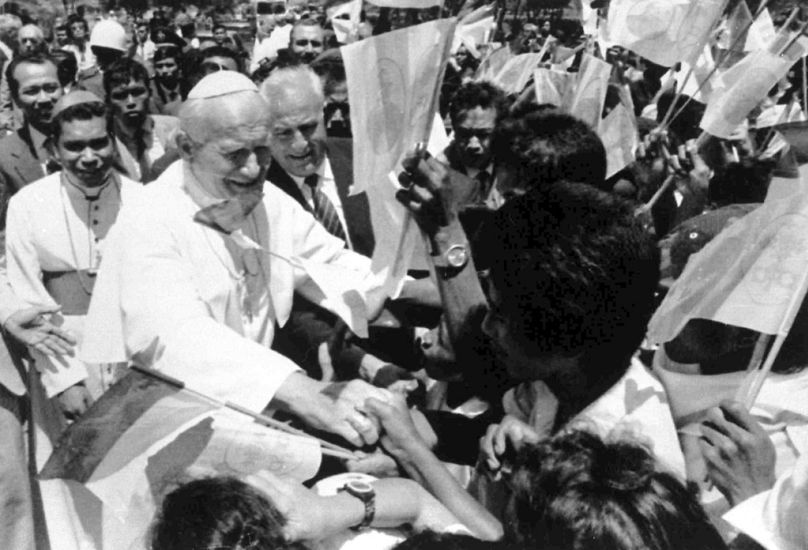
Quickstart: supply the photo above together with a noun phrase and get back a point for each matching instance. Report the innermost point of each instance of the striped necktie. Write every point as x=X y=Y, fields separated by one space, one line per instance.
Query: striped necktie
x=324 y=209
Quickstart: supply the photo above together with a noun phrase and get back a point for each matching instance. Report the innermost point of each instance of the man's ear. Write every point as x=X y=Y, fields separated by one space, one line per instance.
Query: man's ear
x=185 y=145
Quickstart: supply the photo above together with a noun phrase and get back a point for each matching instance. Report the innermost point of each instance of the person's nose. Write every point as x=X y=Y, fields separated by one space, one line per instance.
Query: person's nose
x=251 y=167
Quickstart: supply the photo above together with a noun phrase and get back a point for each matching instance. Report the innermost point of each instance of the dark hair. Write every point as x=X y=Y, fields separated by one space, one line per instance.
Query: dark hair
x=430 y=540
x=165 y=51
x=34 y=58
x=546 y=146
x=576 y=274
x=221 y=512
x=67 y=67
x=121 y=72
x=477 y=94
x=218 y=26
x=576 y=492
x=81 y=111
x=75 y=18
x=221 y=51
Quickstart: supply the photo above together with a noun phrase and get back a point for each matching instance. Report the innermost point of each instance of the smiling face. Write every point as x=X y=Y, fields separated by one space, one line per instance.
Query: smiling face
x=85 y=150
x=297 y=133
x=231 y=156
x=38 y=91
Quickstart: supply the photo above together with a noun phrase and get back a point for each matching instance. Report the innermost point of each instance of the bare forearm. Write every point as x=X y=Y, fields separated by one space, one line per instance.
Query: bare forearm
x=423 y=466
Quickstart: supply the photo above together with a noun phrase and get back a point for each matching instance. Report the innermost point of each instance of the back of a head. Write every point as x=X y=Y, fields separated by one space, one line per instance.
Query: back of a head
x=546 y=146
x=576 y=274
x=220 y=512
x=576 y=492
x=430 y=540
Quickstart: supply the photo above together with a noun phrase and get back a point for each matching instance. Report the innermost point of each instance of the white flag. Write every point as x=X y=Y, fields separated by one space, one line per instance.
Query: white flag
x=393 y=82
x=346 y=30
x=663 y=31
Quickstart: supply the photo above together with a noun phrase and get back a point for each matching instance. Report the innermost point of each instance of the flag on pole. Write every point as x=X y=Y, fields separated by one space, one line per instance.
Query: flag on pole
x=554 y=87
x=516 y=73
x=393 y=80
x=748 y=275
x=492 y=64
x=345 y=29
x=663 y=31
x=620 y=137
x=742 y=87
x=143 y=436
x=416 y=4
x=761 y=33
x=473 y=28
x=590 y=90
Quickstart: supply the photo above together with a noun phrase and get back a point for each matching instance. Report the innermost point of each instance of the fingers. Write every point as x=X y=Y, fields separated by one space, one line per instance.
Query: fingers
x=726 y=448
x=737 y=414
x=487 y=448
x=367 y=429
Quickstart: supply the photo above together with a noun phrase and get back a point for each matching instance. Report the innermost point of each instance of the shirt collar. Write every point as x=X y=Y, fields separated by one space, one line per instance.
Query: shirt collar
x=324 y=171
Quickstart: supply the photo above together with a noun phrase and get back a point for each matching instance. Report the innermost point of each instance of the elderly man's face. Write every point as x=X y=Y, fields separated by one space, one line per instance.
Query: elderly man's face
x=38 y=91
x=85 y=150
x=297 y=134
x=30 y=39
x=307 y=42
x=235 y=156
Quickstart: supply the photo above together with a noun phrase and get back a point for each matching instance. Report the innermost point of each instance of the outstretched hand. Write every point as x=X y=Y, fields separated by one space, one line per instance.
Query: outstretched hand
x=33 y=327
x=427 y=191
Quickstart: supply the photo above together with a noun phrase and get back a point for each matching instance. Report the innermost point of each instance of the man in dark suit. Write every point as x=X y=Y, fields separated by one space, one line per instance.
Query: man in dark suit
x=34 y=85
x=317 y=172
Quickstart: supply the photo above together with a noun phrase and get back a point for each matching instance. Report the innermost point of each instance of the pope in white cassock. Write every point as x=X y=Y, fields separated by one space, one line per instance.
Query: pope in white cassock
x=202 y=266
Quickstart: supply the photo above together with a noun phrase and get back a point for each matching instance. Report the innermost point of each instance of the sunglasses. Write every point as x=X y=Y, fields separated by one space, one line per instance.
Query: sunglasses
x=312 y=43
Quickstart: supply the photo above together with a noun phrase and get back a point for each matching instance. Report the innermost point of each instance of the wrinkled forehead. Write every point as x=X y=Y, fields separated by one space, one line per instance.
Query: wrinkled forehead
x=308 y=32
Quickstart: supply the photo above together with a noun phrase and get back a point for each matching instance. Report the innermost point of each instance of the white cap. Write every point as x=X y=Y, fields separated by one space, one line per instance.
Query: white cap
x=108 y=34
x=222 y=83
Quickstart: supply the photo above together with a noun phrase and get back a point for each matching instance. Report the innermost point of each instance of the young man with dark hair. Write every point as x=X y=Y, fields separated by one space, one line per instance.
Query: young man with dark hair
x=546 y=145
x=166 y=86
x=145 y=138
x=475 y=110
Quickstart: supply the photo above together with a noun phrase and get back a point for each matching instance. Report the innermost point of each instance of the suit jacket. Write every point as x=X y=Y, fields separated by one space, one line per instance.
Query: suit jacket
x=355 y=208
x=19 y=166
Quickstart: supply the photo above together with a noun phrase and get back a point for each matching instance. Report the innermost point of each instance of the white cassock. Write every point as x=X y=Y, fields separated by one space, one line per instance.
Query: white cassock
x=177 y=296
x=54 y=230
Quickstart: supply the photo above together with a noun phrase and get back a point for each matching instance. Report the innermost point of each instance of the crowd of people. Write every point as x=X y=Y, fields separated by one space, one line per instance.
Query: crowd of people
x=167 y=200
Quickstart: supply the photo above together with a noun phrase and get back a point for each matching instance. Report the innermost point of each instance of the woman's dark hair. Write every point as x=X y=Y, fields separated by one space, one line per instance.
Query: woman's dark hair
x=430 y=540
x=218 y=512
x=577 y=492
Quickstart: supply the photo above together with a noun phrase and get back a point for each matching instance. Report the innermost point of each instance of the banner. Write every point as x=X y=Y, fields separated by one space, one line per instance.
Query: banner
x=590 y=90
x=747 y=275
x=663 y=31
x=393 y=80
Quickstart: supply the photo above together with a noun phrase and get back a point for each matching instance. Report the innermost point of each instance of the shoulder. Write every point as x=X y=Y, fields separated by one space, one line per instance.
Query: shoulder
x=12 y=143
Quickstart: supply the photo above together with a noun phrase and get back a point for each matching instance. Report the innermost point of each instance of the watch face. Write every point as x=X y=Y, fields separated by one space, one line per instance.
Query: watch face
x=457 y=256
x=359 y=487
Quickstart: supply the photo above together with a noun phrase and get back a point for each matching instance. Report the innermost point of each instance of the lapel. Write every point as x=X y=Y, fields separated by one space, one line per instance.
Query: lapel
x=26 y=164
x=280 y=179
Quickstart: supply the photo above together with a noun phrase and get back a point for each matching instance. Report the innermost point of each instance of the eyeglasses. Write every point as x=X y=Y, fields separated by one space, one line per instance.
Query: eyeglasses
x=313 y=43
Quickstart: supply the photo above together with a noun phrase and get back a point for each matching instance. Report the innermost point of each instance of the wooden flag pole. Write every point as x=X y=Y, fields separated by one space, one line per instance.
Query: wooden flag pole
x=804 y=87
x=327 y=448
x=750 y=388
x=721 y=61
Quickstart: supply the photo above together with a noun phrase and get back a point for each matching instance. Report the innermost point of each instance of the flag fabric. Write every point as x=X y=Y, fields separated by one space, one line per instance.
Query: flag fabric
x=590 y=90
x=663 y=31
x=761 y=33
x=416 y=4
x=748 y=275
x=700 y=76
x=554 y=87
x=143 y=437
x=472 y=29
x=394 y=79
x=492 y=64
x=741 y=89
x=516 y=73
x=734 y=35
x=345 y=29
x=620 y=137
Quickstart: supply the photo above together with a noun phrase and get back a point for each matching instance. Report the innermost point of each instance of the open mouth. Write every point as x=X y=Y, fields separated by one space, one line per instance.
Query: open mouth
x=244 y=184
x=306 y=157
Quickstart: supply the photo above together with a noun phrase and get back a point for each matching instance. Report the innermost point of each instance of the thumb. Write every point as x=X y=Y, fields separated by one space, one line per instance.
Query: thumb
x=41 y=310
x=378 y=408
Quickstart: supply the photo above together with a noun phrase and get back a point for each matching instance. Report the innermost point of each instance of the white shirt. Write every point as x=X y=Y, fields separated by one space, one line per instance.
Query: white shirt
x=52 y=226
x=268 y=47
x=636 y=407
x=326 y=184
x=176 y=295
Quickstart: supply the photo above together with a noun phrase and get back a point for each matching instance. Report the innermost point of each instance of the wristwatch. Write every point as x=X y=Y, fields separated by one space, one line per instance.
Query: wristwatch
x=452 y=261
x=367 y=494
